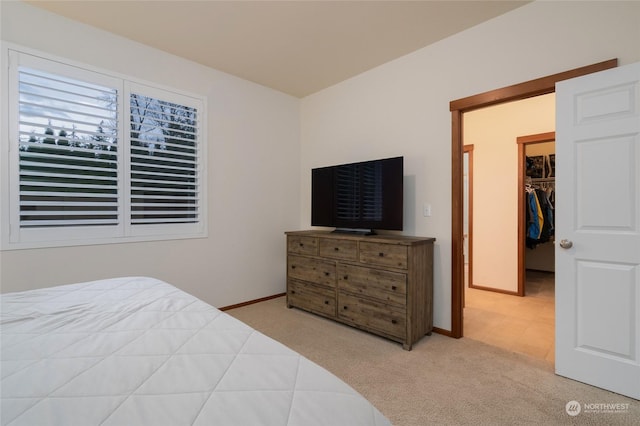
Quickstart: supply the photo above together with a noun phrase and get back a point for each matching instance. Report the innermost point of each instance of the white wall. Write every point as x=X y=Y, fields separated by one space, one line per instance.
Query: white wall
x=253 y=169
x=402 y=107
x=493 y=131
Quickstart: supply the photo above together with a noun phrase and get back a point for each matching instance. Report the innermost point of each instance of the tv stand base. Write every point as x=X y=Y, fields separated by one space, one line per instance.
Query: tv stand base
x=354 y=231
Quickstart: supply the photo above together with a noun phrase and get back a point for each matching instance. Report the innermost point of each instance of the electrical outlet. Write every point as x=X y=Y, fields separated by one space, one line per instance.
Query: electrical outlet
x=426 y=210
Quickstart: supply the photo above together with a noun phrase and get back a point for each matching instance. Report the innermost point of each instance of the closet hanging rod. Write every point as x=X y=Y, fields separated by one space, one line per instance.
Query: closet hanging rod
x=550 y=179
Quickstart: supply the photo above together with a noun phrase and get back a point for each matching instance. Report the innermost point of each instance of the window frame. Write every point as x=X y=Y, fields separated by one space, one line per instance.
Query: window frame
x=14 y=237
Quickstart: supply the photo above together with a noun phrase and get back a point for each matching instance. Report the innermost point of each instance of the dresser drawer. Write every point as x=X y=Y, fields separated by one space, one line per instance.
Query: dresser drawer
x=299 y=244
x=372 y=315
x=311 y=298
x=312 y=269
x=387 y=286
x=339 y=249
x=383 y=254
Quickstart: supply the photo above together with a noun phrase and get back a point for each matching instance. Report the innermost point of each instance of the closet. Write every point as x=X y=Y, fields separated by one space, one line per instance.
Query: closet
x=540 y=207
x=537 y=207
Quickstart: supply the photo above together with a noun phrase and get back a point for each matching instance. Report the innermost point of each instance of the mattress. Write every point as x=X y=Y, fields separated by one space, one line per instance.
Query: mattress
x=139 y=351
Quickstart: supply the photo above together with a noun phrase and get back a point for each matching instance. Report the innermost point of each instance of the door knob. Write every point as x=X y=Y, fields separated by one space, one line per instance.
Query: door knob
x=566 y=244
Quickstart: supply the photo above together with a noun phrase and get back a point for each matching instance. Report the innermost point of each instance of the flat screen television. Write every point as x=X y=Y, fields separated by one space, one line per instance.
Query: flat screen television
x=358 y=197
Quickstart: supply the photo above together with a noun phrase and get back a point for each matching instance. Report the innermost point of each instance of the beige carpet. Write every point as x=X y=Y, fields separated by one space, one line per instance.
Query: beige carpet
x=442 y=381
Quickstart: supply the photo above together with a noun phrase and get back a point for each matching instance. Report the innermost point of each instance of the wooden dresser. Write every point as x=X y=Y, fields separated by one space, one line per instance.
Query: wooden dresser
x=382 y=284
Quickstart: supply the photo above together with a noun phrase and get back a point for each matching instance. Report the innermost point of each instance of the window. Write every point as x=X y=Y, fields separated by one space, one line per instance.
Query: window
x=164 y=153
x=97 y=158
x=68 y=152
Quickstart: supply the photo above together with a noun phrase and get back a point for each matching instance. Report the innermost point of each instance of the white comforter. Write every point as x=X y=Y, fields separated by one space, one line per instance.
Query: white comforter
x=138 y=351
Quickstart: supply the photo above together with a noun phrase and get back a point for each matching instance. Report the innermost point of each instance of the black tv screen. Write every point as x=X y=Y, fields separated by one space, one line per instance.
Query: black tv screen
x=358 y=196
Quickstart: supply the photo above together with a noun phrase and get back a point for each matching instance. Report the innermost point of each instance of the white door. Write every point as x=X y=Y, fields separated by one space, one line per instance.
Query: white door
x=598 y=216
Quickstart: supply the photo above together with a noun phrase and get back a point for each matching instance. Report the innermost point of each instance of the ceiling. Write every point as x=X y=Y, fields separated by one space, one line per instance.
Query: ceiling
x=297 y=47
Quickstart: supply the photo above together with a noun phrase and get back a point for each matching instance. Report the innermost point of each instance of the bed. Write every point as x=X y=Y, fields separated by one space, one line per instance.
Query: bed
x=139 y=351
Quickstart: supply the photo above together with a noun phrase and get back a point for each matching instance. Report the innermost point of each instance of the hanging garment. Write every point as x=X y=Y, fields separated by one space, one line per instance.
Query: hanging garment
x=533 y=223
x=539 y=217
x=547 y=228
x=539 y=212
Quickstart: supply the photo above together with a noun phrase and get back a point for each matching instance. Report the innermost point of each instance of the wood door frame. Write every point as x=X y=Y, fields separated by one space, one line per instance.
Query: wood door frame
x=468 y=149
x=540 y=86
x=522 y=142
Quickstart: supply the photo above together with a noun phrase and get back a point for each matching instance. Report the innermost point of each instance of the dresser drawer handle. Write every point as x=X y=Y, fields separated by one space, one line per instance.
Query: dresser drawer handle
x=393 y=287
x=336 y=248
x=345 y=308
x=293 y=292
x=346 y=277
x=381 y=254
x=394 y=321
x=293 y=266
x=326 y=274
x=301 y=244
x=326 y=302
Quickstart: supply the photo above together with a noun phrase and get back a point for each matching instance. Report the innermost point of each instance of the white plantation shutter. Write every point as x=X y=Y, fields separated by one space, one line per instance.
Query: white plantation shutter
x=68 y=155
x=164 y=161
x=96 y=158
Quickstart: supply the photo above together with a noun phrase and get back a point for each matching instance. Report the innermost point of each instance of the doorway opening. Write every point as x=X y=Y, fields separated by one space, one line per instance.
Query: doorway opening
x=501 y=318
x=536 y=188
x=536 y=236
x=458 y=108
